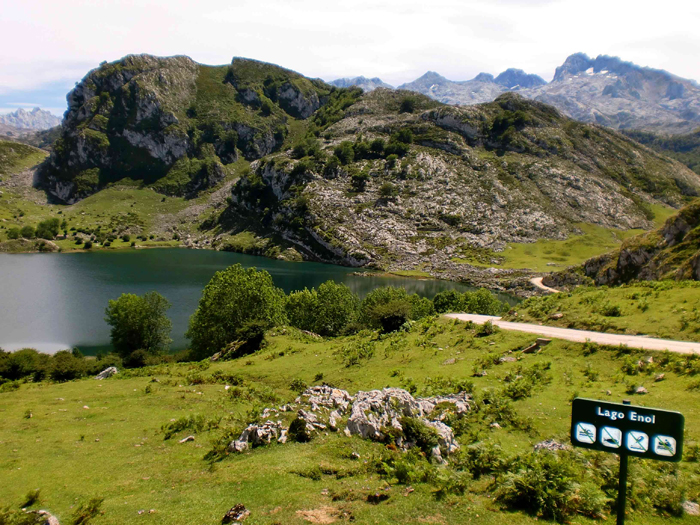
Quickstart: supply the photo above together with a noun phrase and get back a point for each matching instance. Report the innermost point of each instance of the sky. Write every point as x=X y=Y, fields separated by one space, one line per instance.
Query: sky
x=46 y=46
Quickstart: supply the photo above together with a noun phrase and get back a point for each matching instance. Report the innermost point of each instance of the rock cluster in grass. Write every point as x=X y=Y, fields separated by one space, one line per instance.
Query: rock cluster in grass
x=375 y=414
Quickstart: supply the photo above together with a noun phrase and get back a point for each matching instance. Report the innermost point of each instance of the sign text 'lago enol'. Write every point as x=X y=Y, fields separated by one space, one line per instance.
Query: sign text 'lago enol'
x=624 y=429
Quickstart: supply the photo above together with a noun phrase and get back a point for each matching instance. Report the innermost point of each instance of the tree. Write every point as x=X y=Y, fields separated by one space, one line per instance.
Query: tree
x=448 y=301
x=13 y=233
x=389 y=307
x=337 y=307
x=388 y=191
x=232 y=298
x=65 y=366
x=301 y=309
x=48 y=229
x=345 y=152
x=28 y=232
x=358 y=180
x=139 y=323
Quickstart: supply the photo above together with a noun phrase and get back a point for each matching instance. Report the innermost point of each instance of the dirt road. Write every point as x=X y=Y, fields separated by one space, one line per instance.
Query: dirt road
x=537 y=281
x=581 y=336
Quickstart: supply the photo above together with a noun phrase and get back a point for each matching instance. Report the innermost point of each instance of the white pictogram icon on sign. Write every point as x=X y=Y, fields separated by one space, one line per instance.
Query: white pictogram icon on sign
x=637 y=441
x=585 y=433
x=664 y=446
x=611 y=437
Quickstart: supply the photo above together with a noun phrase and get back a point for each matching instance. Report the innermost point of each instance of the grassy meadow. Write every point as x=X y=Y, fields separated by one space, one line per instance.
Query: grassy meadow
x=665 y=309
x=105 y=439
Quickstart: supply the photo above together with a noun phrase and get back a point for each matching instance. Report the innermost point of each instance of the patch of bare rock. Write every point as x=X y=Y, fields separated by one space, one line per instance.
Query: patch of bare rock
x=374 y=414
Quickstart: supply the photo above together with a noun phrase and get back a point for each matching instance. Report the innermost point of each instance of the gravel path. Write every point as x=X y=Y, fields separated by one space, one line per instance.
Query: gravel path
x=537 y=281
x=581 y=336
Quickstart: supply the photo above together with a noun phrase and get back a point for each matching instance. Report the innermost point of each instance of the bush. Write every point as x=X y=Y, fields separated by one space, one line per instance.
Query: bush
x=126 y=237
x=28 y=232
x=391 y=161
x=337 y=307
x=66 y=367
x=136 y=359
x=13 y=233
x=358 y=181
x=388 y=190
x=88 y=245
x=301 y=309
x=447 y=301
x=392 y=315
x=425 y=437
x=48 y=229
x=24 y=363
x=345 y=152
x=408 y=105
x=483 y=302
x=373 y=308
x=298 y=385
x=139 y=323
x=85 y=512
x=233 y=297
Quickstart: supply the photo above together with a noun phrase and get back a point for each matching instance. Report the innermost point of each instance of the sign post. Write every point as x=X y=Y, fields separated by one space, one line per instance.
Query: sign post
x=626 y=430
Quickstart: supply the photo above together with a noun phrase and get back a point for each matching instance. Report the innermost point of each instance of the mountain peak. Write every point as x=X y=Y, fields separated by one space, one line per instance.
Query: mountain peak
x=364 y=83
x=36 y=119
x=512 y=77
x=483 y=77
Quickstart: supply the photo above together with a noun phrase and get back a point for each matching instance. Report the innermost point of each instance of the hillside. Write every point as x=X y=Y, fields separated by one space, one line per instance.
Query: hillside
x=136 y=426
x=669 y=252
x=683 y=148
x=418 y=190
x=173 y=124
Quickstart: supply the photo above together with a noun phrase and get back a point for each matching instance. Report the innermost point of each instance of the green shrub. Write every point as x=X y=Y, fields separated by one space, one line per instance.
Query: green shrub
x=232 y=298
x=414 y=430
x=298 y=385
x=345 y=152
x=86 y=512
x=298 y=431
x=447 y=301
x=139 y=323
x=25 y=363
x=66 y=367
x=48 y=229
x=87 y=245
x=408 y=105
x=28 y=232
x=13 y=233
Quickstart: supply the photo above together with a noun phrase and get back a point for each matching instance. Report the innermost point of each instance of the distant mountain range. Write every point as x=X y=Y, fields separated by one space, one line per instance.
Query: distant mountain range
x=367 y=84
x=36 y=119
x=605 y=90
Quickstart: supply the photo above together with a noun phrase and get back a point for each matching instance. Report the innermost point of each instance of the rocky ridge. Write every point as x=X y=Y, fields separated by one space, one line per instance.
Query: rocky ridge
x=172 y=123
x=605 y=90
x=473 y=178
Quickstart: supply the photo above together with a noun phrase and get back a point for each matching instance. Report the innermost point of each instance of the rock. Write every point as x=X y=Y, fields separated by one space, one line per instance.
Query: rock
x=333 y=420
x=494 y=425
x=641 y=390
x=326 y=396
x=608 y=392
x=377 y=498
x=659 y=377
x=451 y=361
x=187 y=439
x=255 y=435
x=691 y=508
x=107 y=372
x=550 y=444
x=237 y=513
x=354 y=455
x=50 y=518
x=556 y=316
x=507 y=359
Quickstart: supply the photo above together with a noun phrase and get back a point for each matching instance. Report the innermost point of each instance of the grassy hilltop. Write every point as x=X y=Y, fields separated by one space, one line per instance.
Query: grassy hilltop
x=106 y=439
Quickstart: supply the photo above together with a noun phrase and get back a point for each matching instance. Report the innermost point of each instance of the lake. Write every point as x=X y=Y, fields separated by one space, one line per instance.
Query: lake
x=56 y=301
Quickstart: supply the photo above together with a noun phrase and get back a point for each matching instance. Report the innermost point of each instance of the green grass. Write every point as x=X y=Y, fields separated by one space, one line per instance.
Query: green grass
x=666 y=309
x=546 y=255
x=15 y=157
x=115 y=449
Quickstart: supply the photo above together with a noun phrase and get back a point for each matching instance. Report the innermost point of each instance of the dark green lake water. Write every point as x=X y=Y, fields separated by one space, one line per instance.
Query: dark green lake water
x=57 y=301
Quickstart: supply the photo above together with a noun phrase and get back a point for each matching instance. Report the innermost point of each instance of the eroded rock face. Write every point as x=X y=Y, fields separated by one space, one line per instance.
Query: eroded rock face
x=256 y=435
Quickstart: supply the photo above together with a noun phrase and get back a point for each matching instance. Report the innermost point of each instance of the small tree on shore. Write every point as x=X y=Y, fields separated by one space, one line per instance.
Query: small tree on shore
x=139 y=323
x=235 y=300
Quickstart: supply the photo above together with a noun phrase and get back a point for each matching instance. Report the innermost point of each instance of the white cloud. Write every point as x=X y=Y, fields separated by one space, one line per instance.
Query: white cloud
x=396 y=40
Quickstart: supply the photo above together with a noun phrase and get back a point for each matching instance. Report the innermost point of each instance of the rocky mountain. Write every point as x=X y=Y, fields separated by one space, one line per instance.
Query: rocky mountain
x=669 y=252
x=173 y=124
x=424 y=188
x=387 y=178
x=604 y=90
x=36 y=119
x=517 y=78
x=365 y=84
x=622 y=95
x=482 y=88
